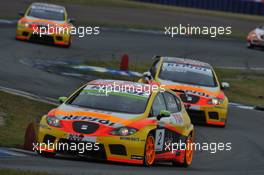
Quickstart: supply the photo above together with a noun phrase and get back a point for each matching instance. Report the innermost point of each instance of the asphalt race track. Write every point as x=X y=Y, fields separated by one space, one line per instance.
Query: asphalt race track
x=244 y=129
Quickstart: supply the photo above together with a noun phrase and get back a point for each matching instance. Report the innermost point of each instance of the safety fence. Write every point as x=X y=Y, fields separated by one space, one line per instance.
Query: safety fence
x=254 y=7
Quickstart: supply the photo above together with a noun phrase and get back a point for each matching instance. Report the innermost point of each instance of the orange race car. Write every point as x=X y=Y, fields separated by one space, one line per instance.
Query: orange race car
x=197 y=85
x=46 y=23
x=119 y=121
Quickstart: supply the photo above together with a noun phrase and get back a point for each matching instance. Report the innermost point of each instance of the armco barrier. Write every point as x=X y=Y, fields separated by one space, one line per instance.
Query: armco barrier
x=235 y=6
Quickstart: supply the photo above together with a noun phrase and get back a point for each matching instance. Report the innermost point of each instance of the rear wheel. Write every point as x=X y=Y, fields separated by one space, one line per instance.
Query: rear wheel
x=188 y=153
x=250 y=45
x=149 y=156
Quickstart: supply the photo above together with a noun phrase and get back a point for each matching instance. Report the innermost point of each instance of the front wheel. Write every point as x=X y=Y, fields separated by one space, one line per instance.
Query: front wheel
x=149 y=155
x=250 y=45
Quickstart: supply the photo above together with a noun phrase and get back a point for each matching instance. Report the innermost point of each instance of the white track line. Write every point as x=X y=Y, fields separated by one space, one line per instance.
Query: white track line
x=10 y=152
x=29 y=95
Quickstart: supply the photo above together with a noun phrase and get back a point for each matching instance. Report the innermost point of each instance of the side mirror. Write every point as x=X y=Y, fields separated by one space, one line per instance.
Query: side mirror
x=62 y=99
x=163 y=113
x=147 y=76
x=225 y=85
x=21 y=13
x=71 y=20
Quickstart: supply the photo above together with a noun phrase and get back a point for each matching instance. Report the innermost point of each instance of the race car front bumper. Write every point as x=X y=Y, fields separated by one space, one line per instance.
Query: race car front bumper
x=29 y=35
x=126 y=149
x=212 y=115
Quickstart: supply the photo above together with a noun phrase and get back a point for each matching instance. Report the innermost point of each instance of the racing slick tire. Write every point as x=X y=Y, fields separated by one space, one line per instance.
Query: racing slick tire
x=223 y=126
x=188 y=154
x=69 y=44
x=250 y=45
x=149 y=153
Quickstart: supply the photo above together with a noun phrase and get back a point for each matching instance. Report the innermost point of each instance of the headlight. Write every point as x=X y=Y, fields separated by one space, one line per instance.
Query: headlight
x=53 y=121
x=216 y=101
x=24 y=24
x=124 y=131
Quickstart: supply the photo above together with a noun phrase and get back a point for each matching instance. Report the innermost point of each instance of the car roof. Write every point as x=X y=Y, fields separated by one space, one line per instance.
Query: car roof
x=114 y=82
x=186 y=61
x=48 y=6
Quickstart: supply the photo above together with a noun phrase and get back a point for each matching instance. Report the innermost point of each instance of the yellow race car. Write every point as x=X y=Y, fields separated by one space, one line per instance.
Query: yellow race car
x=197 y=85
x=45 y=23
x=119 y=121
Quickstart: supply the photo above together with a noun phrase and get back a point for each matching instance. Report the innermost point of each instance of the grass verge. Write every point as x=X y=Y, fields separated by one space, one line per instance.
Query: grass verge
x=17 y=113
x=246 y=85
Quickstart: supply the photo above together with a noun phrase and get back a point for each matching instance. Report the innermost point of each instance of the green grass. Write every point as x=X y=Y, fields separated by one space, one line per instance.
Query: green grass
x=246 y=85
x=18 y=113
x=21 y=172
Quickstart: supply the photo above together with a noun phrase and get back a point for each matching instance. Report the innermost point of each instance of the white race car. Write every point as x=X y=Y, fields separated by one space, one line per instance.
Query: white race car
x=256 y=37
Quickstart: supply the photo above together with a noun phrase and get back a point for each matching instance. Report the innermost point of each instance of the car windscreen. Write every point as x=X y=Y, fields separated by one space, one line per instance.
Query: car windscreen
x=46 y=13
x=125 y=102
x=188 y=74
x=261 y=27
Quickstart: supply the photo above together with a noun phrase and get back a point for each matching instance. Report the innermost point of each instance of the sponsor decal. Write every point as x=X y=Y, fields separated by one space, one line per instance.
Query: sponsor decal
x=130 y=139
x=175 y=67
x=91 y=119
x=81 y=138
x=159 y=140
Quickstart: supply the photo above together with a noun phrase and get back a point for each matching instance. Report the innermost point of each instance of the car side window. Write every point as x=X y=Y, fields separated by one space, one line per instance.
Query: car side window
x=154 y=67
x=158 y=104
x=179 y=103
x=171 y=103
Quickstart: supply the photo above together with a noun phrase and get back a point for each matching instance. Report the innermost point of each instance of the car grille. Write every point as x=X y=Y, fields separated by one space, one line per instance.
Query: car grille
x=118 y=149
x=213 y=115
x=49 y=139
x=97 y=154
x=189 y=98
x=42 y=39
x=197 y=117
x=45 y=27
x=84 y=127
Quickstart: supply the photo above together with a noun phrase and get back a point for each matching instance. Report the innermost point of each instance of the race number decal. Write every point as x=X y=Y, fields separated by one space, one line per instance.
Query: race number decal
x=159 y=141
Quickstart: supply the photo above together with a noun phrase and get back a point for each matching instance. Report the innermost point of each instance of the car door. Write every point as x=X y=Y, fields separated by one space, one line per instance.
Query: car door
x=166 y=132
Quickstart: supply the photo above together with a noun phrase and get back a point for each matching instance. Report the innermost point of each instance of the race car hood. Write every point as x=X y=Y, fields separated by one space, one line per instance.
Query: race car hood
x=208 y=92
x=105 y=118
x=259 y=32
